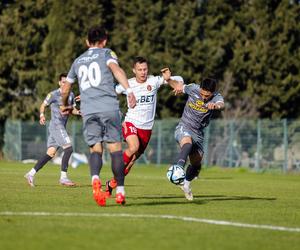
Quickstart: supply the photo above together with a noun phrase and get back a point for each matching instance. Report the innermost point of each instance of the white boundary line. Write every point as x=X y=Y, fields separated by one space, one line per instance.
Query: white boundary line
x=152 y=216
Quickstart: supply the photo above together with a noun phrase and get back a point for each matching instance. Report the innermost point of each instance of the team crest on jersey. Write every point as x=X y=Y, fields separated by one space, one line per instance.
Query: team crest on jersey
x=199 y=103
x=113 y=55
x=149 y=88
x=199 y=106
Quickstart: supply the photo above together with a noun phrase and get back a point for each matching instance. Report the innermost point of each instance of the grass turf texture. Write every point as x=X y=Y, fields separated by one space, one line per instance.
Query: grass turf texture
x=234 y=195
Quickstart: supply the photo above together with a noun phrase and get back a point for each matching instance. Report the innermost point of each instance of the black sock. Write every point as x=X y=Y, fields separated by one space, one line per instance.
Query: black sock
x=95 y=163
x=184 y=152
x=118 y=167
x=65 y=160
x=42 y=162
x=192 y=172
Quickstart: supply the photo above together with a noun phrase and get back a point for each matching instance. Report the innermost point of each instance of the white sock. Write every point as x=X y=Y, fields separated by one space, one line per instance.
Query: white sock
x=186 y=183
x=63 y=175
x=120 y=189
x=32 y=172
x=95 y=177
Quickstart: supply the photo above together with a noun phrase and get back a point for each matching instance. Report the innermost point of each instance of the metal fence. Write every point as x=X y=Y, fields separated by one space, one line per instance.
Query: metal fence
x=257 y=144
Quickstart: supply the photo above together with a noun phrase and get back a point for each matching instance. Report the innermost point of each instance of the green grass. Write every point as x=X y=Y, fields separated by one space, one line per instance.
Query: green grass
x=233 y=195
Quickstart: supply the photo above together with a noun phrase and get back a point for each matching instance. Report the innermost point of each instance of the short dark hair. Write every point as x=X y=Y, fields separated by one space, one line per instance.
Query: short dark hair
x=209 y=84
x=139 y=59
x=96 y=34
x=62 y=75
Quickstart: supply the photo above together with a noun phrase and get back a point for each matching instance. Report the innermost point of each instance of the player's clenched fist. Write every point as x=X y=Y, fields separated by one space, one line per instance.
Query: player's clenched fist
x=131 y=98
x=166 y=73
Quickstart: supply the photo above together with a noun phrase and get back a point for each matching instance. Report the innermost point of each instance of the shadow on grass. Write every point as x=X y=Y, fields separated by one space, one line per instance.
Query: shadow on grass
x=216 y=178
x=198 y=199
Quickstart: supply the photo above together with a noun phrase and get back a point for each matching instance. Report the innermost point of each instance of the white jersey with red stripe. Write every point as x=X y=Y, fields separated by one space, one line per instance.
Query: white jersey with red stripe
x=143 y=114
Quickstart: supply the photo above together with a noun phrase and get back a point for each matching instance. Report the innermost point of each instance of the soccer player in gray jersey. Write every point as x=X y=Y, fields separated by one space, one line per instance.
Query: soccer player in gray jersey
x=57 y=136
x=202 y=102
x=95 y=70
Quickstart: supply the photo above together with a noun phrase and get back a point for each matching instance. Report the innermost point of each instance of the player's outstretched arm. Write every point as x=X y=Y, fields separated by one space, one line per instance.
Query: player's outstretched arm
x=121 y=77
x=65 y=92
x=215 y=105
x=177 y=86
x=42 y=114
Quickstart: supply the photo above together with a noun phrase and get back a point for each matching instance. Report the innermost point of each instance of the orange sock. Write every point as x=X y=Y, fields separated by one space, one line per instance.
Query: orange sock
x=126 y=159
x=126 y=171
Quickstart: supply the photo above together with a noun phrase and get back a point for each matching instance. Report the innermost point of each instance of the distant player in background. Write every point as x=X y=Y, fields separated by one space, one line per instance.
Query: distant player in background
x=58 y=136
x=202 y=101
x=95 y=70
x=139 y=121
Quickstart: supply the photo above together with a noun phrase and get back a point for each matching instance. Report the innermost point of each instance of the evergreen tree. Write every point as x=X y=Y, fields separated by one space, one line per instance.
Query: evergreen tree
x=66 y=37
x=266 y=57
x=22 y=31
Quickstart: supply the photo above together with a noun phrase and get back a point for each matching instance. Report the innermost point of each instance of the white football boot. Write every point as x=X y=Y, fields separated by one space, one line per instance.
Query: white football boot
x=187 y=192
x=30 y=179
x=66 y=182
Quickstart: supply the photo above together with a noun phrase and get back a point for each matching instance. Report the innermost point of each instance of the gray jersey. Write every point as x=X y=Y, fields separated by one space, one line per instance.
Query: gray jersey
x=54 y=100
x=196 y=115
x=96 y=81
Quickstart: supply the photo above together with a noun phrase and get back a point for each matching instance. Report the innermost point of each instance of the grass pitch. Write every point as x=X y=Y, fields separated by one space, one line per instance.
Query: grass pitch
x=50 y=216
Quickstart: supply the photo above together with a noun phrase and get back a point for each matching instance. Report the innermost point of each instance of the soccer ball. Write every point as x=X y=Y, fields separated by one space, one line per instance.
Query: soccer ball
x=176 y=174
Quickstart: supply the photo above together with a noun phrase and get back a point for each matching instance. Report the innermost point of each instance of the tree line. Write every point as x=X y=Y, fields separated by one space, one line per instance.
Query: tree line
x=250 y=46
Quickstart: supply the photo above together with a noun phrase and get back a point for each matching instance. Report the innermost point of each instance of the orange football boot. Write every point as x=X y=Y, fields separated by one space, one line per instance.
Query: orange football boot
x=120 y=199
x=99 y=195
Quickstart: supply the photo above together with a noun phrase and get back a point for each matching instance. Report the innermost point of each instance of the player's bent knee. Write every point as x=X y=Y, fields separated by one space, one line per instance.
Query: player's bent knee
x=114 y=147
x=133 y=149
x=96 y=148
x=51 y=151
x=51 y=155
x=185 y=140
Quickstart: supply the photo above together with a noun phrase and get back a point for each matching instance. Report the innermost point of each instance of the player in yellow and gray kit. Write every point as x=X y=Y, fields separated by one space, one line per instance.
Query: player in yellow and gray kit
x=58 y=136
x=202 y=101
